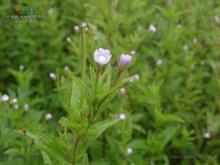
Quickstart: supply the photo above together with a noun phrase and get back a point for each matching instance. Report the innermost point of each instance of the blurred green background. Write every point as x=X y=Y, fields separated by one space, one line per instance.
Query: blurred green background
x=171 y=109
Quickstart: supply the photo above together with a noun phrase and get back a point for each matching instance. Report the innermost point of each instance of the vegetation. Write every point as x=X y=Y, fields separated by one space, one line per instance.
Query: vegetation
x=109 y=82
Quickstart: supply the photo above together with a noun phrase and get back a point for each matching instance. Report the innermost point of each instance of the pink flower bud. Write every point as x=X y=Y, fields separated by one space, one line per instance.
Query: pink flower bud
x=124 y=61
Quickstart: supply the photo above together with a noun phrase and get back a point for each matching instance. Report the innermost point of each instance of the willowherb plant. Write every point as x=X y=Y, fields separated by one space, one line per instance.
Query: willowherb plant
x=84 y=98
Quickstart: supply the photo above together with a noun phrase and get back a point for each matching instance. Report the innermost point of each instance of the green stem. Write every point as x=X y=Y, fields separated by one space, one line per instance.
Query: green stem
x=83 y=52
x=97 y=78
x=117 y=77
x=103 y=137
x=76 y=145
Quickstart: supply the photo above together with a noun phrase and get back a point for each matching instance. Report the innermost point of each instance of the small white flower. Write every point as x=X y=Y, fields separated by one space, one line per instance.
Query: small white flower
x=16 y=106
x=133 y=52
x=52 y=75
x=14 y=101
x=129 y=151
x=50 y=11
x=152 y=28
x=185 y=47
x=86 y=28
x=48 y=116
x=68 y=39
x=5 y=98
x=136 y=77
x=122 y=91
x=21 y=67
x=84 y=25
x=207 y=135
x=202 y=62
x=122 y=116
x=102 y=56
x=179 y=26
x=26 y=107
x=217 y=19
x=159 y=62
x=66 y=69
x=76 y=28
x=195 y=41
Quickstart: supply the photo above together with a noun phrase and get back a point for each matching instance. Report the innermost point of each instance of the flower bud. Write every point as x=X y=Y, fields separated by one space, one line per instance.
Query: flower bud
x=84 y=25
x=129 y=151
x=195 y=41
x=185 y=47
x=179 y=26
x=21 y=67
x=14 y=101
x=159 y=62
x=133 y=52
x=66 y=69
x=68 y=39
x=122 y=116
x=52 y=76
x=134 y=78
x=76 y=28
x=102 y=56
x=202 y=62
x=122 y=91
x=206 y=135
x=48 y=116
x=217 y=19
x=26 y=107
x=152 y=28
x=124 y=61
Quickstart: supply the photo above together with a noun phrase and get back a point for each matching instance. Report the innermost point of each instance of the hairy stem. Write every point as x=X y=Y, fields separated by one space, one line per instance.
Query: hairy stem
x=97 y=79
x=83 y=52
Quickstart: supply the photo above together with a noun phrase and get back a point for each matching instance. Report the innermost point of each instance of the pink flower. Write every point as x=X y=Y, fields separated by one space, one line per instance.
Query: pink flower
x=102 y=56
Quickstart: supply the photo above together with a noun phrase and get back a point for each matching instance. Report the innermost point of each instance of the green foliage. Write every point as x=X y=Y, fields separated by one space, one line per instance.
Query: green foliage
x=169 y=113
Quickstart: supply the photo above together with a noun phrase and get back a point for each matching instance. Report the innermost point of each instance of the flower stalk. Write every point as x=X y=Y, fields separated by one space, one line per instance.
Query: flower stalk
x=83 y=52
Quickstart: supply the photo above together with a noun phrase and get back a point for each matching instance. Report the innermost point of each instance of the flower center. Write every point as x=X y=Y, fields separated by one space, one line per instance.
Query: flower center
x=102 y=59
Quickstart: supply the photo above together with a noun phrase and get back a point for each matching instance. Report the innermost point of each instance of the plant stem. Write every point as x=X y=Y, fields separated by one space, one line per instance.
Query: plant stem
x=83 y=52
x=77 y=142
x=103 y=138
x=97 y=78
x=117 y=77
x=204 y=142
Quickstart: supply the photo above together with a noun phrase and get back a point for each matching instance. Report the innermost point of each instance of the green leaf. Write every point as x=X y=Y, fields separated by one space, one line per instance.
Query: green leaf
x=162 y=118
x=48 y=144
x=75 y=96
x=167 y=134
x=93 y=76
x=46 y=158
x=137 y=144
x=106 y=78
x=66 y=123
x=85 y=160
x=94 y=132
x=13 y=151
